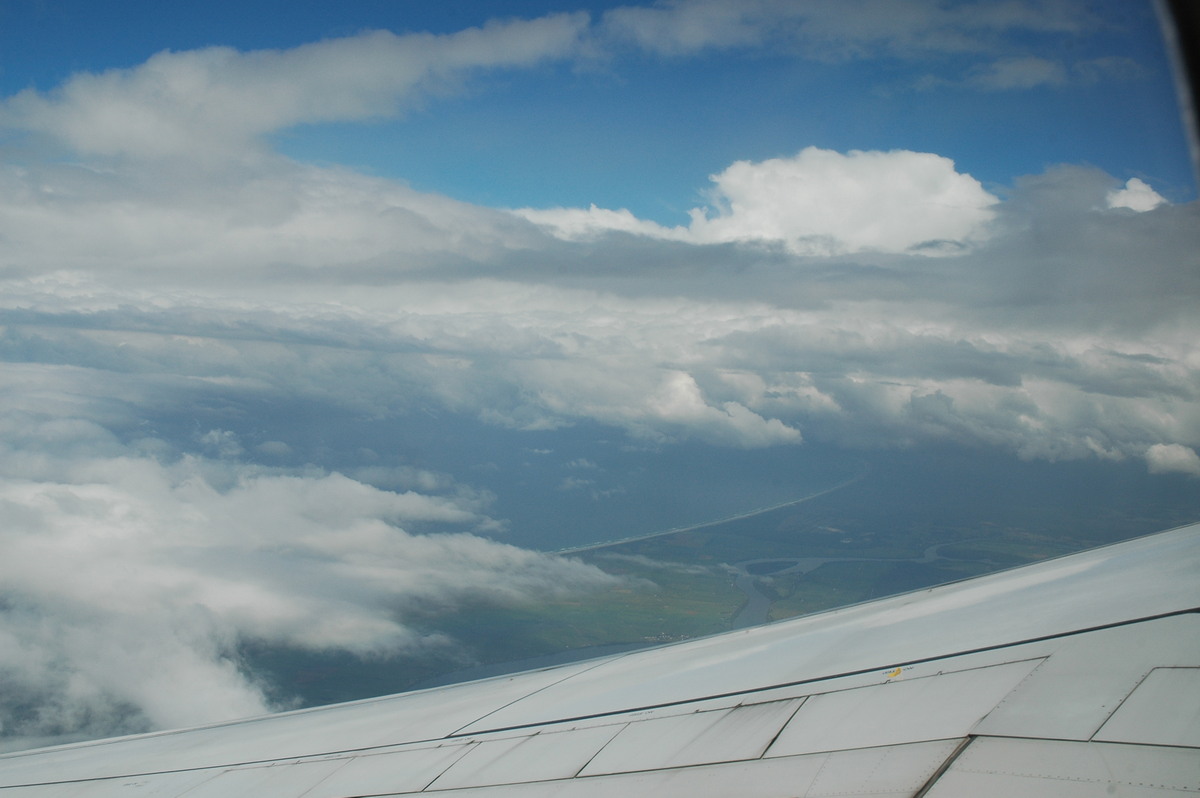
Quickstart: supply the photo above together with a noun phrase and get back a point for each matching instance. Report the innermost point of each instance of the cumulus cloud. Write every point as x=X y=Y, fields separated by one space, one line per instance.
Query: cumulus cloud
x=819 y=202
x=217 y=102
x=1165 y=458
x=825 y=202
x=1136 y=195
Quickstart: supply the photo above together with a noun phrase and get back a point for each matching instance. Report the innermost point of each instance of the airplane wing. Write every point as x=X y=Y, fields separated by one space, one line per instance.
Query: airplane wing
x=1078 y=676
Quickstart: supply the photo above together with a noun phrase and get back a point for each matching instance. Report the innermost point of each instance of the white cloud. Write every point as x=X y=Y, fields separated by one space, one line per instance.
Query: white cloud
x=655 y=403
x=735 y=346
x=578 y=224
x=1165 y=458
x=217 y=102
x=679 y=400
x=824 y=202
x=260 y=218
x=1137 y=195
x=819 y=202
x=126 y=578
x=222 y=443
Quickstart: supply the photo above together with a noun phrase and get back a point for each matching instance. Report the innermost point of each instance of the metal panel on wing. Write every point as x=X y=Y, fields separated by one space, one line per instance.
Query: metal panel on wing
x=280 y=780
x=1087 y=676
x=405 y=770
x=531 y=757
x=997 y=766
x=723 y=735
x=1163 y=710
x=899 y=770
x=931 y=708
x=158 y=785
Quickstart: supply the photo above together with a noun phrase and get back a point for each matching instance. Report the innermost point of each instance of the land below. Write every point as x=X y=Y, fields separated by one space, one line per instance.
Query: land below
x=885 y=531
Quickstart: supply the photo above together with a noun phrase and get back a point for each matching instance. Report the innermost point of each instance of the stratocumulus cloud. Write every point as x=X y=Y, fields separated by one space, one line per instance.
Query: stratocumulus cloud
x=722 y=346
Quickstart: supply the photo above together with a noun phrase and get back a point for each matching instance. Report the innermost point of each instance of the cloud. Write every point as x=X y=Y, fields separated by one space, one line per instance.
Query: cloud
x=973 y=45
x=1166 y=458
x=126 y=577
x=649 y=402
x=1136 y=195
x=575 y=224
x=853 y=29
x=824 y=202
x=732 y=343
x=678 y=28
x=819 y=202
x=260 y=218
x=679 y=401
x=218 y=102
x=1022 y=72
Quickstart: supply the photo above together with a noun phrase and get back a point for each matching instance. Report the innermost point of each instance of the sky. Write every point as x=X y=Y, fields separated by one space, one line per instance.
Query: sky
x=317 y=315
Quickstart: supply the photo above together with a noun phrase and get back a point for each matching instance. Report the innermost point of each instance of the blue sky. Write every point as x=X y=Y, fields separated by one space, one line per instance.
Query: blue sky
x=315 y=315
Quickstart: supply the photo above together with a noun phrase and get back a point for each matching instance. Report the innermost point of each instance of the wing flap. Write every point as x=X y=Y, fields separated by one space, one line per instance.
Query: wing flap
x=993 y=767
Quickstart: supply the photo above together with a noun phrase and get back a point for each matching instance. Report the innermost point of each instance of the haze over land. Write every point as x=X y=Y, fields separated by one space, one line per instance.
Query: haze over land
x=317 y=333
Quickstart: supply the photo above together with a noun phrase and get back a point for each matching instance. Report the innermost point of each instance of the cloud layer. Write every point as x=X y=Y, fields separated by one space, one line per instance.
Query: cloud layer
x=1067 y=333
x=1060 y=327
x=169 y=288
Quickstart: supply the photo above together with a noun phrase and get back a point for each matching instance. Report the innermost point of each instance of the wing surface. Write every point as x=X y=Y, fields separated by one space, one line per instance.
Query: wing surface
x=1078 y=676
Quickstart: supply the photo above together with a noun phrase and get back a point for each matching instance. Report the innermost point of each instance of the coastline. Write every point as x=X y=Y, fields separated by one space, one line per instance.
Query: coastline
x=715 y=522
